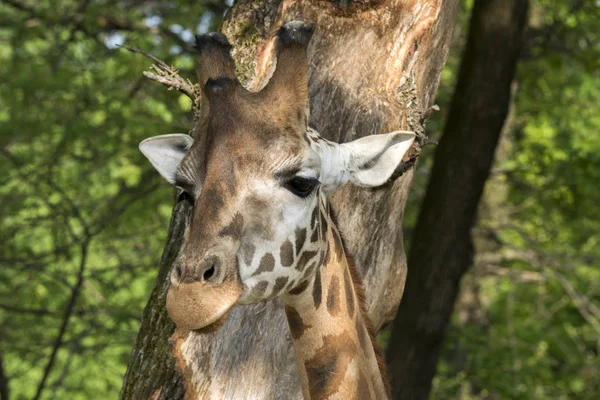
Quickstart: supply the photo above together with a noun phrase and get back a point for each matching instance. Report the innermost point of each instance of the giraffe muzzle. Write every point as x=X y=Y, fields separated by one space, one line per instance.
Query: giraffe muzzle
x=203 y=296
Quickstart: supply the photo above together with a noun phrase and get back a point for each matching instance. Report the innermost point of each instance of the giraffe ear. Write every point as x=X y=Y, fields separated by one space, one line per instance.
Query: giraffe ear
x=369 y=161
x=165 y=152
x=373 y=159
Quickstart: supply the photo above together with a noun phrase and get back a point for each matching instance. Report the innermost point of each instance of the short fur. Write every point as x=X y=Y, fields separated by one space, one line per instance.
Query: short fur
x=360 y=294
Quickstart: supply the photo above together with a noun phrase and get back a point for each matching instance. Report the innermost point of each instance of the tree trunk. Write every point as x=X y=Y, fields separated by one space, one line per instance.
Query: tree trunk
x=374 y=68
x=442 y=248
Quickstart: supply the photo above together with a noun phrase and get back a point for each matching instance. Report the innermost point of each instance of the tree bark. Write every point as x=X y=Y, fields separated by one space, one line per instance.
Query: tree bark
x=442 y=248
x=374 y=68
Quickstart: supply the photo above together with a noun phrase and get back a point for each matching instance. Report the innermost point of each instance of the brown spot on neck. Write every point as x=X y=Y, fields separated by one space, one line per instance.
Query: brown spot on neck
x=326 y=370
x=295 y=322
x=317 y=295
x=286 y=254
x=300 y=239
x=313 y=218
x=279 y=285
x=304 y=259
x=267 y=264
x=300 y=288
x=323 y=225
x=333 y=296
x=258 y=291
x=315 y=235
x=311 y=268
x=324 y=254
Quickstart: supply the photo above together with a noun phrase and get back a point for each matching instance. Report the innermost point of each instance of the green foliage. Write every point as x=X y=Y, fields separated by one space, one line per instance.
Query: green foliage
x=77 y=196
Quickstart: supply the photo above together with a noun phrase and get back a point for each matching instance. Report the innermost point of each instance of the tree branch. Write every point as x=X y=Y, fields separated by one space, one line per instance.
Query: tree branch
x=167 y=75
x=68 y=313
x=24 y=310
x=20 y=6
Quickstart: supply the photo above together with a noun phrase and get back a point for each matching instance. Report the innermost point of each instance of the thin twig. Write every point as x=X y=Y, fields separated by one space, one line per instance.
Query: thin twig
x=156 y=60
x=167 y=75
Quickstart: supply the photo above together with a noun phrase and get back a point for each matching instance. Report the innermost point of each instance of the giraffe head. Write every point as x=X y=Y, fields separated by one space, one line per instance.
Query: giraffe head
x=259 y=178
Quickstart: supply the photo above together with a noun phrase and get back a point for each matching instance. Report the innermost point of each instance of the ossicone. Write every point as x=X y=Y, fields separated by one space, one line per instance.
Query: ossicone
x=215 y=39
x=290 y=78
x=215 y=60
x=295 y=33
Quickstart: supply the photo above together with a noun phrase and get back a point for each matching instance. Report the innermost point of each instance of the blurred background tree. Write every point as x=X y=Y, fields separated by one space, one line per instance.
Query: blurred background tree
x=84 y=217
x=526 y=321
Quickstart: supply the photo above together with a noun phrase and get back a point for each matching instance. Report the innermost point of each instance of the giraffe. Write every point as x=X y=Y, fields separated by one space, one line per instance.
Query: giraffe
x=262 y=227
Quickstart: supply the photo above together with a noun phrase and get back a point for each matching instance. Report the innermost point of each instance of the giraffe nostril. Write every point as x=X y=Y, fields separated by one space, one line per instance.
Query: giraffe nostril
x=209 y=273
x=178 y=273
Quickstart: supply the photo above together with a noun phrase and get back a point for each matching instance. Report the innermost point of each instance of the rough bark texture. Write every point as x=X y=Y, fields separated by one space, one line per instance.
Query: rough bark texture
x=374 y=68
x=442 y=248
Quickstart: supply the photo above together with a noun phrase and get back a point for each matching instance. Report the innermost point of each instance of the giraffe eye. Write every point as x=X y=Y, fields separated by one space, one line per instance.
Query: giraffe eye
x=301 y=186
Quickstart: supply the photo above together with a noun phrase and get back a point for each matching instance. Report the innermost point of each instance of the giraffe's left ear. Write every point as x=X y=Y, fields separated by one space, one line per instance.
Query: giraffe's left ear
x=369 y=161
x=373 y=159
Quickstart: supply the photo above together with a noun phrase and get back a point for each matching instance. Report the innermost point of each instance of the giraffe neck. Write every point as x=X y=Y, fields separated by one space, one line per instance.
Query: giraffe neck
x=333 y=348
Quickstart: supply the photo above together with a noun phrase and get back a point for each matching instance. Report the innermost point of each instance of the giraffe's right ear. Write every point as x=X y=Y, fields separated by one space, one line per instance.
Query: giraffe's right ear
x=165 y=152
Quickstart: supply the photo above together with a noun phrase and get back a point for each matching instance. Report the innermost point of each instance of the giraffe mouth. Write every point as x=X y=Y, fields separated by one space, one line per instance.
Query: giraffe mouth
x=198 y=306
x=216 y=325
